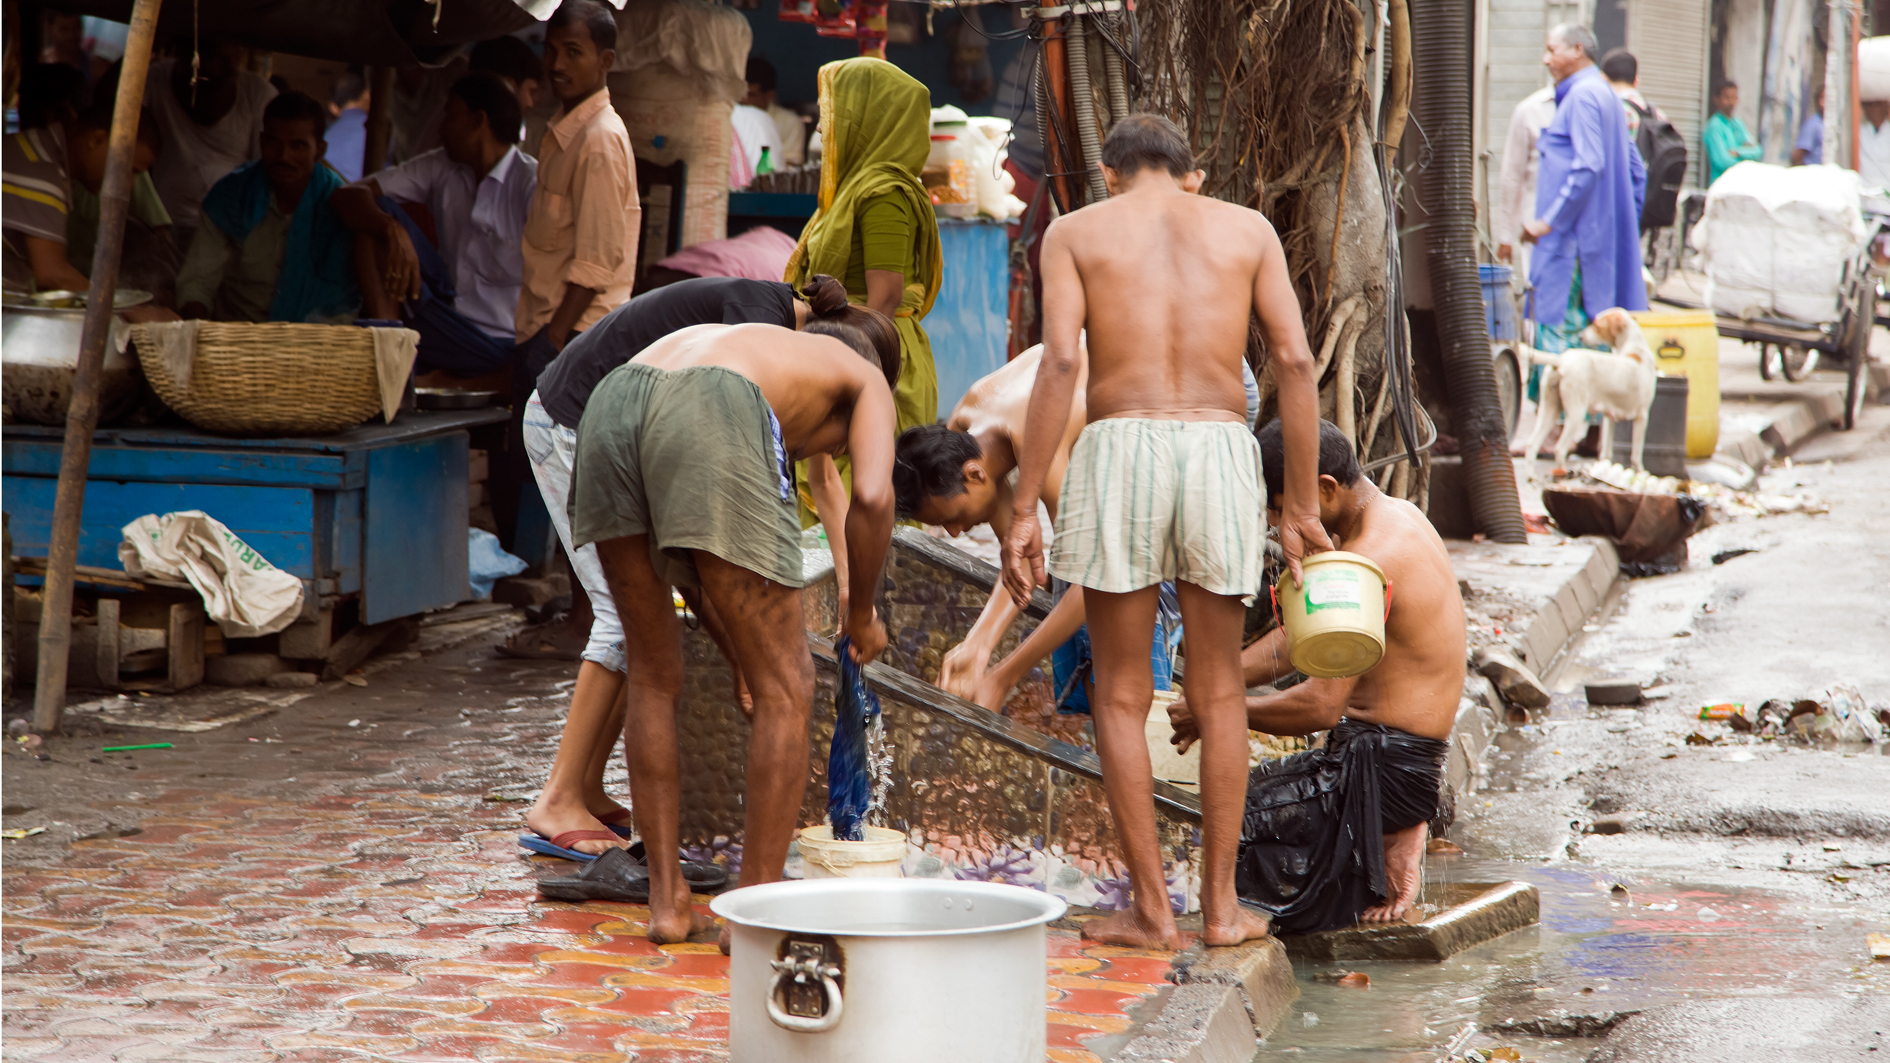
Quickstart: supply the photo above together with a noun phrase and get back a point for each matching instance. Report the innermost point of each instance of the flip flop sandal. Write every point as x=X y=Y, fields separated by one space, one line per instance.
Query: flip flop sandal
x=620 y=821
x=559 y=845
x=614 y=876
x=702 y=878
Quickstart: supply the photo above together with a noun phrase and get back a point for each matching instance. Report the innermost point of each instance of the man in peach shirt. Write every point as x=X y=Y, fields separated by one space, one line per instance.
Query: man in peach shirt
x=581 y=234
x=580 y=247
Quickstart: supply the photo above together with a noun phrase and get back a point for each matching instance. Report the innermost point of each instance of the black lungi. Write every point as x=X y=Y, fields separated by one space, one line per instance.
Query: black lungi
x=1312 y=850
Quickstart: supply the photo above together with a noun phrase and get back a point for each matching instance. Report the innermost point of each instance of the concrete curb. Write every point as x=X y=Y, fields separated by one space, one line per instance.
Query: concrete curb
x=1225 y=1001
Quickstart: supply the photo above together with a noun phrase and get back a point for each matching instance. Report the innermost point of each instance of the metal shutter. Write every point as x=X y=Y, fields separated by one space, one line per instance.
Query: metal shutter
x=1669 y=39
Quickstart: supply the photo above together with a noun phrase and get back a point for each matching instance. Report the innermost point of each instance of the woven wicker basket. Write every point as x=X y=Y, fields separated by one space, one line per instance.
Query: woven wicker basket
x=273 y=378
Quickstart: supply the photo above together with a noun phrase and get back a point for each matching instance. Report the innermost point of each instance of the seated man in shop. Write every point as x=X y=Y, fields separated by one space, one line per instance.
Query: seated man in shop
x=682 y=478
x=55 y=166
x=1392 y=723
x=270 y=246
x=461 y=294
x=957 y=475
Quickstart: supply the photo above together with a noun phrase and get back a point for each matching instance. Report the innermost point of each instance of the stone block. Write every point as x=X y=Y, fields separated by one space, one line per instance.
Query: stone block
x=1514 y=679
x=1572 y=612
x=530 y=592
x=1546 y=637
x=307 y=639
x=1202 y=1023
x=1471 y=914
x=292 y=680
x=1262 y=972
x=242 y=669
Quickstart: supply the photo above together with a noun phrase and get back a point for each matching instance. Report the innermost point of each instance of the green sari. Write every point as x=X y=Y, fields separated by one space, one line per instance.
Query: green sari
x=875 y=132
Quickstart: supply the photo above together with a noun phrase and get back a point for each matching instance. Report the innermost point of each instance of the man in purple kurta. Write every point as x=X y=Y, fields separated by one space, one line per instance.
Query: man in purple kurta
x=1588 y=199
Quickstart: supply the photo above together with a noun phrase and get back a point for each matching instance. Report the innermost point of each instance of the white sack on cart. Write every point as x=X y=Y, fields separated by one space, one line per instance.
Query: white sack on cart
x=245 y=594
x=1778 y=240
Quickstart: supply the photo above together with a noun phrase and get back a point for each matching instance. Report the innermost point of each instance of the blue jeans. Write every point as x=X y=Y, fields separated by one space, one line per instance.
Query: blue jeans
x=1071 y=663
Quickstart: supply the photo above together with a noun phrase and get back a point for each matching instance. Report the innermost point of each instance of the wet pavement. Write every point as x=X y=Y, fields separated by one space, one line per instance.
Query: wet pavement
x=340 y=880
x=337 y=878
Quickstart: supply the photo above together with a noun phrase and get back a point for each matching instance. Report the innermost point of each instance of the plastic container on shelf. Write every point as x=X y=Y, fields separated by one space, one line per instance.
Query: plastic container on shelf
x=947 y=175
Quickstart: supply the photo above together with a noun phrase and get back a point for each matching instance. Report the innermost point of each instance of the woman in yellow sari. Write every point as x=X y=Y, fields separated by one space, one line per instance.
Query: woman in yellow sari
x=874 y=228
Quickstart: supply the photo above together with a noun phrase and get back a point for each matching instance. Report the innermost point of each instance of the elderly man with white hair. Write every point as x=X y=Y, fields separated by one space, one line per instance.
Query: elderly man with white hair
x=1588 y=199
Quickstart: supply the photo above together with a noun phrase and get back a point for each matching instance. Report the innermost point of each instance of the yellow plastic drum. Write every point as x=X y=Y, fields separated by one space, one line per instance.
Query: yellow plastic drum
x=1335 y=624
x=1686 y=343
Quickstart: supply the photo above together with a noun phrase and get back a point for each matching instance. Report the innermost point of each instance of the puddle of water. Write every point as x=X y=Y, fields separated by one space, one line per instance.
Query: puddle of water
x=1593 y=953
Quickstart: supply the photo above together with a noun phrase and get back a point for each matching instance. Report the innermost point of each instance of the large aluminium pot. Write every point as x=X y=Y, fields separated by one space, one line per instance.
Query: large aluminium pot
x=866 y=970
x=39 y=349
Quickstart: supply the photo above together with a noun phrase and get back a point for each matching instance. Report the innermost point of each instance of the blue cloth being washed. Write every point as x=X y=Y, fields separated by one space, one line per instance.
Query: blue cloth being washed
x=849 y=762
x=317 y=281
x=1589 y=189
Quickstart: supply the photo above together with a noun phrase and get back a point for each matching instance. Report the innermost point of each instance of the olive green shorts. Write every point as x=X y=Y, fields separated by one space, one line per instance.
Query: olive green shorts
x=693 y=459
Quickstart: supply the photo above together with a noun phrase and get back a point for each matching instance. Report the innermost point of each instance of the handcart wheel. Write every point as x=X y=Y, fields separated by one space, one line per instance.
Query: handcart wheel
x=1858 y=348
x=1796 y=363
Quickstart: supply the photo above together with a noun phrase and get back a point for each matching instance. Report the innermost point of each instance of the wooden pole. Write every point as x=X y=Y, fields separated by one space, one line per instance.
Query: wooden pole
x=380 y=121
x=55 y=623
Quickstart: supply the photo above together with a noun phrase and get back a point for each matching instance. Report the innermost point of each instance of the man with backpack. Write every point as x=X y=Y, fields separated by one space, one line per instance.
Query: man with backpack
x=1662 y=147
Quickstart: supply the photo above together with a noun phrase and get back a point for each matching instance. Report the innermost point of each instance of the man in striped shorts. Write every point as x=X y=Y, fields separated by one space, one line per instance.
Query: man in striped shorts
x=1164 y=483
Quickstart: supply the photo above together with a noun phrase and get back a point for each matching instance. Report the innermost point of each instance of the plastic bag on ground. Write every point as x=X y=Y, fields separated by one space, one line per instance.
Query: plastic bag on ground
x=245 y=594
x=487 y=562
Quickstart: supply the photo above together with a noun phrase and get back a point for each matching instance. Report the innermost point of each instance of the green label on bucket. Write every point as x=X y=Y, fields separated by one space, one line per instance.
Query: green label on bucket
x=1333 y=589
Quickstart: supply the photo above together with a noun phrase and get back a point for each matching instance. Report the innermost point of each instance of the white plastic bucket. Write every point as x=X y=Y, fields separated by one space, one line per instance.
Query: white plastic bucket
x=879 y=856
x=1335 y=620
x=875 y=970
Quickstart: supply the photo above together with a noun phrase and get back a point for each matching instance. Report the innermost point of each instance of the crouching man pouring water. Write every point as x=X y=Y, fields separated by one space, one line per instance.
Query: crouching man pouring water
x=1379 y=773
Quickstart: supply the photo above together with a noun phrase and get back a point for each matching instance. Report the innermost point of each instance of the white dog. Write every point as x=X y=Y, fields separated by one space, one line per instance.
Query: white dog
x=1578 y=382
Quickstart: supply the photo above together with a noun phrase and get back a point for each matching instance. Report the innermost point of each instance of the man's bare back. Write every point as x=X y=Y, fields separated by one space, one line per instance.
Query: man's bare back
x=995 y=410
x=811 y=382
x=1168 y=280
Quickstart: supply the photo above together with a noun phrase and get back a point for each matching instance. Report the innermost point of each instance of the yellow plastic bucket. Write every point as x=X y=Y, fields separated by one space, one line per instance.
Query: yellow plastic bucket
x=879 y=856
x=1686 y=343
x=1335 y=623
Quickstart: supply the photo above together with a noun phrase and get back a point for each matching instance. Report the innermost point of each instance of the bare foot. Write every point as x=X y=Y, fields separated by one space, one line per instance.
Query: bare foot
x=743 y=698
x=552 y=816
x=1248 y=925
x=724 y=939
x=672 y=924
x=1404 y=852
x=1129 y=928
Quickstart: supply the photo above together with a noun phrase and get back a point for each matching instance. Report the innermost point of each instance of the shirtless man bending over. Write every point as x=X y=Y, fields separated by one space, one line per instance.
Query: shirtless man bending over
x=1393 y=722
x=1164 y=482
x=682 y=479
x=957 y=476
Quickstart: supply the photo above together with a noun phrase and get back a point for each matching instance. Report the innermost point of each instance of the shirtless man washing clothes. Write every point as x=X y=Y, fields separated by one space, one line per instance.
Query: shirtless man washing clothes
x=1392 y=723
x=1164 y=482
x=682 y=477
x=957 y=475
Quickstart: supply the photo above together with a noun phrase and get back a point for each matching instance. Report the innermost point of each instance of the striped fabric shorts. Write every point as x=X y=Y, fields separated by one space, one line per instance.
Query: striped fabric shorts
x=1145 y=501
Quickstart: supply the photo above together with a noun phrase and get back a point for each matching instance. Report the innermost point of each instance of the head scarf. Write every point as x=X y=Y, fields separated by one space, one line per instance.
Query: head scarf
x=875 y=132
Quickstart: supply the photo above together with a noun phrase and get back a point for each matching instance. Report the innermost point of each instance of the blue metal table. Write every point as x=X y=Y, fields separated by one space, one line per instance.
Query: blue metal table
x=377 y=511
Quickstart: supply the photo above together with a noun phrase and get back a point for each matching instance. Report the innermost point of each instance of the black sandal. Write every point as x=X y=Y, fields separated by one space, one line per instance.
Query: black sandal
x=620 y=875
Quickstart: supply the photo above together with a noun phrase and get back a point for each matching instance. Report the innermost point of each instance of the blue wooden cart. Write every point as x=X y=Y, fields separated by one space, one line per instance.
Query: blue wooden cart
x=377 y=512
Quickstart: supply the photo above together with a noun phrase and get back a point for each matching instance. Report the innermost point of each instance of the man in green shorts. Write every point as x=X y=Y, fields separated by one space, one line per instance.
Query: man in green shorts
x=682 y=479
x=1164 y=483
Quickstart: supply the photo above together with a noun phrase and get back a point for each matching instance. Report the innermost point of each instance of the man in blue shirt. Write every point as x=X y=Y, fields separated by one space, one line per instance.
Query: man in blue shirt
x=1809 y=150
x=1588 y=199
x=347 y=135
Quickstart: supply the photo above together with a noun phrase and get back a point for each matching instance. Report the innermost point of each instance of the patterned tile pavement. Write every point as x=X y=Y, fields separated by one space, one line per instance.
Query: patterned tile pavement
x=388 y=918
